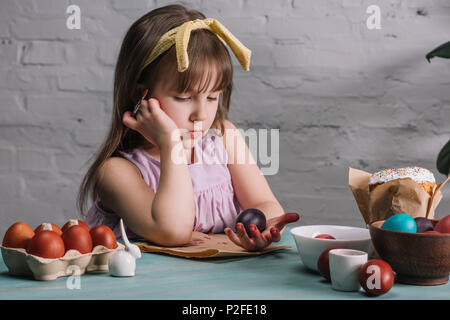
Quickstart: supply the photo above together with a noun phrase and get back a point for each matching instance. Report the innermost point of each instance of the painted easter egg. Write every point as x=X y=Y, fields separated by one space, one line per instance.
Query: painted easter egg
x=46 y=244
x=376 y=277
x=77 y=238
x=400 y=222
x=18 y=235
x=252 y=216
x=423 y=224
x=323 y=263
x=103 y=236
x=74 y=222
x=48 y=226
x=325 y=236
x=443 y=226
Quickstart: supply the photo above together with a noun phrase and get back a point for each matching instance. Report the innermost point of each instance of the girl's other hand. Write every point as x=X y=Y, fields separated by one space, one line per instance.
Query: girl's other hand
x=152 y=123
x=260 y=240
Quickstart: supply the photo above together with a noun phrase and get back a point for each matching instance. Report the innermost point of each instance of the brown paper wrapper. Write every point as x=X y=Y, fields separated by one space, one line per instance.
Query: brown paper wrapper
x=206 y=246
x=397 y=196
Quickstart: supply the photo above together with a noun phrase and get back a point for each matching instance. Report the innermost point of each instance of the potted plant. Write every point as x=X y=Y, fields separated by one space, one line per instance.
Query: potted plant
x=443 y=160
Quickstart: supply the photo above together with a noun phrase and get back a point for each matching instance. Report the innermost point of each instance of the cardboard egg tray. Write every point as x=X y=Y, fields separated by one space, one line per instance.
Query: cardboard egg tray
x=21 y=263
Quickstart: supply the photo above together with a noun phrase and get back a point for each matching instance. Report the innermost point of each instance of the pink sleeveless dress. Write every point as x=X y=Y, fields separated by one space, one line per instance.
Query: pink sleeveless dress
x=216 y=206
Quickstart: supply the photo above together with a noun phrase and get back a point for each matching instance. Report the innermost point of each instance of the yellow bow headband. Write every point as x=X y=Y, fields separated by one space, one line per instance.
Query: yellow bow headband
x=180 y=37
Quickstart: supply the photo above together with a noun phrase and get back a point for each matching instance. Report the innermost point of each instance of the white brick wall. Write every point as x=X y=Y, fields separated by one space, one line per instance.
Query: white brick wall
x=341 y=95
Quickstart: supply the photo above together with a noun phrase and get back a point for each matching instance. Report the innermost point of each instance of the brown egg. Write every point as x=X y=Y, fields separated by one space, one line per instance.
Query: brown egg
x=104 y=236
x=46 y=244
x=74 y=222
x=18 y=235
x=77 y=238
x=48 y=226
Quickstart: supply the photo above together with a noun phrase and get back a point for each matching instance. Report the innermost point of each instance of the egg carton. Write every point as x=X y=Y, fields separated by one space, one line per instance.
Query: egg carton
x=21 y=263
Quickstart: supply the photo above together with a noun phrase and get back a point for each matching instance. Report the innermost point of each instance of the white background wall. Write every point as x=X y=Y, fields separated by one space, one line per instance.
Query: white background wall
x=342 y=95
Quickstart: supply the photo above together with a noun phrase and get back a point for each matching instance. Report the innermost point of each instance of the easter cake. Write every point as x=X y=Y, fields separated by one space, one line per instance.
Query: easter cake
x=422 y=176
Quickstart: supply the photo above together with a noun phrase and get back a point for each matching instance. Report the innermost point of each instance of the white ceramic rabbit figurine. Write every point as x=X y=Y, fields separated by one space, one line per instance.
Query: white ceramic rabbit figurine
x=122 y=263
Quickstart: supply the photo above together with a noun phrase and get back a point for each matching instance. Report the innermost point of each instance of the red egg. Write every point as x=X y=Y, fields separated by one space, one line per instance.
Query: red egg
x=48 y=226
x=443 y=226
x=77 y=238
x=46 y=244
x=323 y=264
x=74 y=222
x=18 y=235
x=103 y=236
x=325 y=236
x=376 y=277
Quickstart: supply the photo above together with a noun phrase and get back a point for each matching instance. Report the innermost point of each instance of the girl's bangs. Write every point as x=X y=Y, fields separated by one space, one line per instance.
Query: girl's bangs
x=209 y=61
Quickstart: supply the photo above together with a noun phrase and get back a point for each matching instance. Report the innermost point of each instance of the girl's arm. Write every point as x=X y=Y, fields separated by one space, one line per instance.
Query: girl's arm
x=164 y=218
x=252 y=191
x=250 y=185
x=174 y=203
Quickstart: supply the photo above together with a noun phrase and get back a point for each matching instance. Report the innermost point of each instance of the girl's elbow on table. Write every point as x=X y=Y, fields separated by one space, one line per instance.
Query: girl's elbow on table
x=173 y=236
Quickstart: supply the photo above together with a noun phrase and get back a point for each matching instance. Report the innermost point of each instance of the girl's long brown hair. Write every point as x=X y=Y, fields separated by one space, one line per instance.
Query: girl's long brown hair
x=206 y=52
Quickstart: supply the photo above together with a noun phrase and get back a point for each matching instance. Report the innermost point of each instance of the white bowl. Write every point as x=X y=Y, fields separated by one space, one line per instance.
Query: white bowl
x=310 y=248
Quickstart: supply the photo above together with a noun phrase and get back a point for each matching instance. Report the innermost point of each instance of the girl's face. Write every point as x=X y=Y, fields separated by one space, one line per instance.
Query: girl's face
x=185 y=108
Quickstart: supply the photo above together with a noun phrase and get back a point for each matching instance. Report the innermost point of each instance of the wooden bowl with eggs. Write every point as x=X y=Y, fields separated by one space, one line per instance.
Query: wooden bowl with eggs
x=417 y=258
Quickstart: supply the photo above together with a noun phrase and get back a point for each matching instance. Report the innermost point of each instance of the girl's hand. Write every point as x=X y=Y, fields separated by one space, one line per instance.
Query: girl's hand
x=260 y=240
x=152 y=123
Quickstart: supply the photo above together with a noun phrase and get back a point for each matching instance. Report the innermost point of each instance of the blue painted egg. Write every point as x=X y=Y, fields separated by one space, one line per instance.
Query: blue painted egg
x=400 y=222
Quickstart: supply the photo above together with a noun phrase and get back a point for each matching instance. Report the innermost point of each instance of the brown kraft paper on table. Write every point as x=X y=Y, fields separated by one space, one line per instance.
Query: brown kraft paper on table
x=206 y=246
x=396 y=196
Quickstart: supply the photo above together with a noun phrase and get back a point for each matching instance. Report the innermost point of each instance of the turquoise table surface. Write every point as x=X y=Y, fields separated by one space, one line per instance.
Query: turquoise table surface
x=275 y=276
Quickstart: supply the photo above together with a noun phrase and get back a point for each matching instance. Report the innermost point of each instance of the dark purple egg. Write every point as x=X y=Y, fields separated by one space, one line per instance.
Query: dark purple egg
x=423 y=224
x=252 y=216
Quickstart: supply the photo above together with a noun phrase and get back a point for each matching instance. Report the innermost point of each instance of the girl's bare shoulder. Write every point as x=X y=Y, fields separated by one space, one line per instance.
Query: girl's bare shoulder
x=118 y=164
x=117 y=172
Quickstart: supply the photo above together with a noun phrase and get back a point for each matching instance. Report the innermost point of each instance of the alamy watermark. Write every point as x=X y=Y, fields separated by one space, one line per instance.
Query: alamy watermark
x=74 y=280
x=374 y=280
x=235 y=140
x=73 y=21
x=374 y=20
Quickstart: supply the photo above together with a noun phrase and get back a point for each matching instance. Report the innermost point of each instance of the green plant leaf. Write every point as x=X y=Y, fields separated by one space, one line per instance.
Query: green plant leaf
x=443 y=160
x=443 y=51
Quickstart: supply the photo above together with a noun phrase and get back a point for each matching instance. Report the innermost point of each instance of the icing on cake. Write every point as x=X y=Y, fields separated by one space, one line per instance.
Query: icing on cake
x=416 y=173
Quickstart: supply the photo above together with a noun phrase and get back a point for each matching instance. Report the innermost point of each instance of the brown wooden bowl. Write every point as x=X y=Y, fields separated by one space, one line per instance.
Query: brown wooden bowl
x=417 y=258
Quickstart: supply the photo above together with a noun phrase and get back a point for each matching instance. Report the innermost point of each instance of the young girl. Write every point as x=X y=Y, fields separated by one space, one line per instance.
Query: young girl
x=140 y=175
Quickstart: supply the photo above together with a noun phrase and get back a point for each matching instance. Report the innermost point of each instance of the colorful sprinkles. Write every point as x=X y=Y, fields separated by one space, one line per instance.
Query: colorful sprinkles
x=416 y=173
